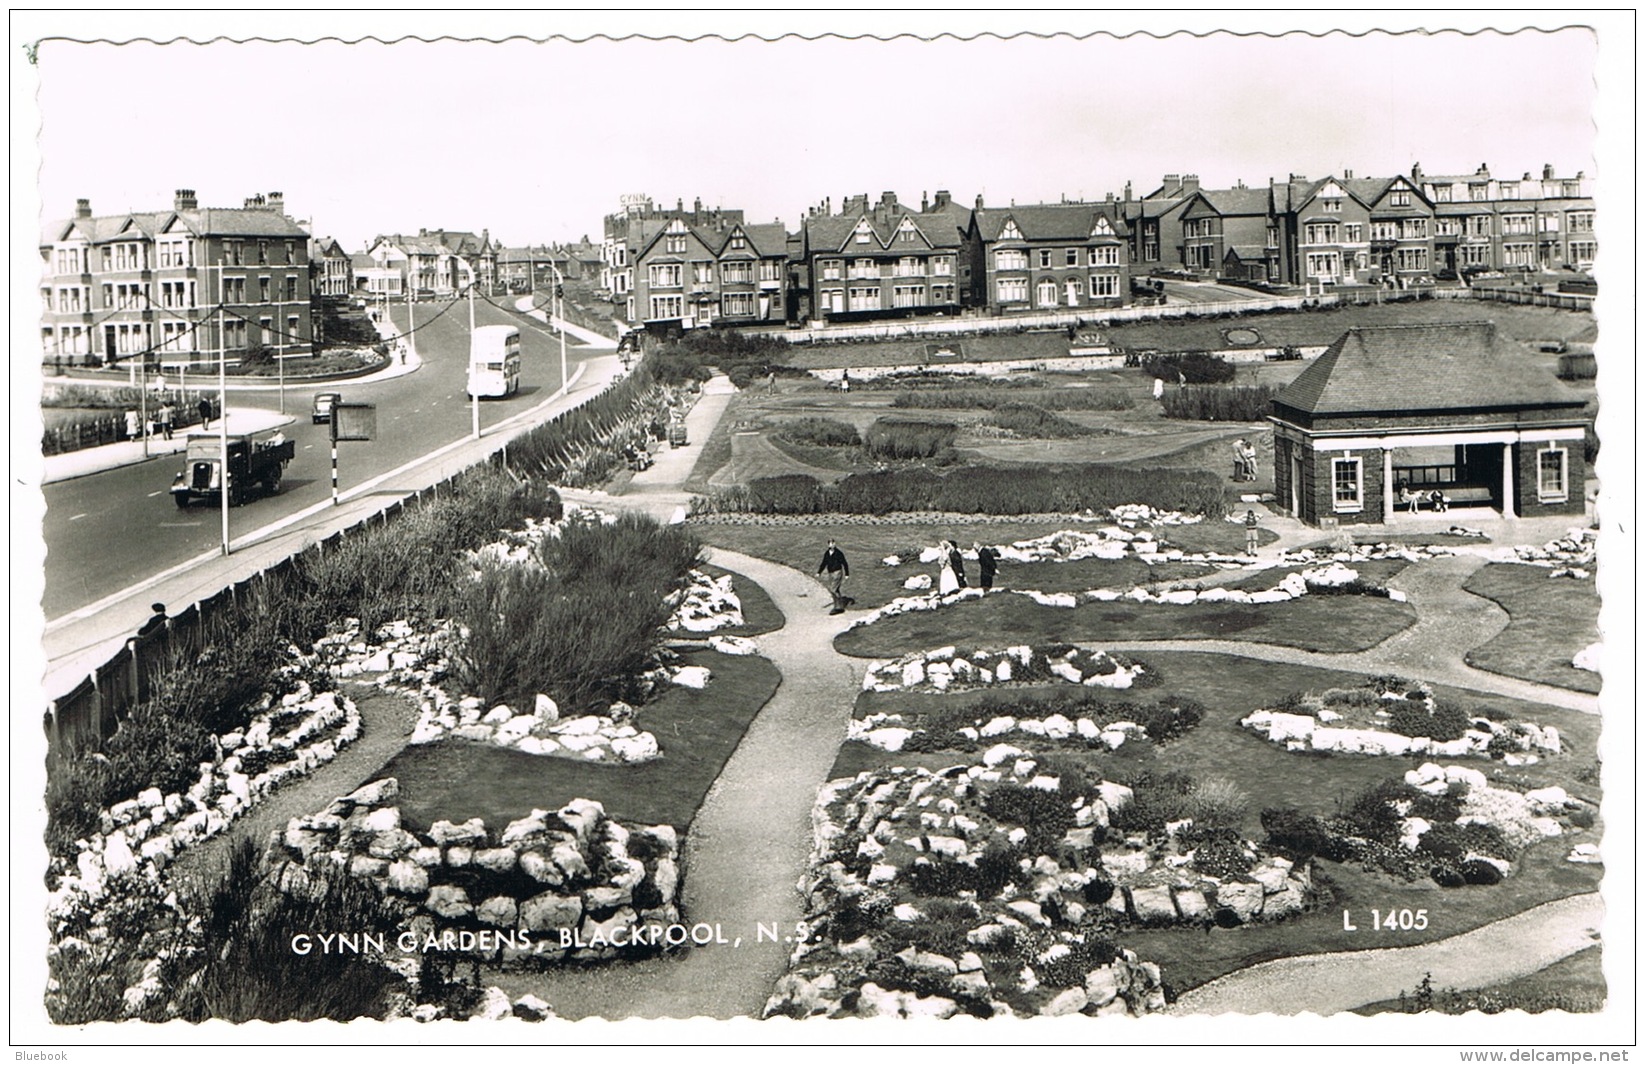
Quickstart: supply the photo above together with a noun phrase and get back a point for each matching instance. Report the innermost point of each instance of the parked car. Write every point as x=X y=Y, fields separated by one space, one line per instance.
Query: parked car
x=323 y=402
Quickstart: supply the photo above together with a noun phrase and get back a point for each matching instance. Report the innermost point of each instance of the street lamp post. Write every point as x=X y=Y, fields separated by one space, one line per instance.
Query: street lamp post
x=224 y=487
x=473 y=393
x=559 y=322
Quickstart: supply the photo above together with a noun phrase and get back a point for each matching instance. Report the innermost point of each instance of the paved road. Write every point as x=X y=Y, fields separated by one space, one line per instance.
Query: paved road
x=1207 y=292
x=110 y=530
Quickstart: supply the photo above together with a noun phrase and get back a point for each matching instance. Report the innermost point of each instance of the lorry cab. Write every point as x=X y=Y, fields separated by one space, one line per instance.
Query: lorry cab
x=255 y=460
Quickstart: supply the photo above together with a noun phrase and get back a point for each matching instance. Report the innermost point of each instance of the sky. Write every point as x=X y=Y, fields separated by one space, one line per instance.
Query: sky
x=535 y=141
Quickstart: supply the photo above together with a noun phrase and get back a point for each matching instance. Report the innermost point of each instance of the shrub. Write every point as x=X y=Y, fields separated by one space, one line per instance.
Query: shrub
x=1219 y=403
x=1445 y=722
x=251 y=971
x=1360 y=697
x=1045 y=814
x=819 y=432
x=584 y=625
x=1025 y=419
x=1291 y=829
x=894 y=438
x=1220 y=852
x=1156 y=800
x=1197 y=367
x=1216 y=802
x=1480 y=872
x=1002 y=393
x=1371 y=814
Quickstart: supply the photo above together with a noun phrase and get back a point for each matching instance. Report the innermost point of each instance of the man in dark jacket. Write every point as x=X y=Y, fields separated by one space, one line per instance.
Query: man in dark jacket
x=988 y=562
x=834 y=570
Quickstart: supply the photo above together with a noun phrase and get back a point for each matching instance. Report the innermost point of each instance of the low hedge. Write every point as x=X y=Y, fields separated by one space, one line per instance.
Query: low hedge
x=1045 y=489
x=897 y=438
x=1219 y=403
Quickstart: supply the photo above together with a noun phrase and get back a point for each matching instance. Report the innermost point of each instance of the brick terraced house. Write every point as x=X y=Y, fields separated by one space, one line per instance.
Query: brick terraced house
x=1048 y=257
x=884 y=260
x=120 y=287
x=721 y=272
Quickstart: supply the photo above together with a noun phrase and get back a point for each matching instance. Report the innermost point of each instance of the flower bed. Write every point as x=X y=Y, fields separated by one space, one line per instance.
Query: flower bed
x=571 y=885
x=1446 y=823
x=1078 y=722
x=119 y=871
x=1391 y=716
x=945 y=669
x=991 y=889
x=706 y=604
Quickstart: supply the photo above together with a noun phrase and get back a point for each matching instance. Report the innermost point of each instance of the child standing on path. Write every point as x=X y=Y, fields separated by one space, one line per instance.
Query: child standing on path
x=1251 y=533
x=834 y=570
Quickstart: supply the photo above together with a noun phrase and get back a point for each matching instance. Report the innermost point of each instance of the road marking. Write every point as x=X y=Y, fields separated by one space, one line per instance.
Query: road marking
x=151 y=496
x=77 y=517
x=182 y=524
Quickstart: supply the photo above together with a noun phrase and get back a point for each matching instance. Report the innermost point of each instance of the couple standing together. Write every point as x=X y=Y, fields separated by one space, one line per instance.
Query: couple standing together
x=951 y=574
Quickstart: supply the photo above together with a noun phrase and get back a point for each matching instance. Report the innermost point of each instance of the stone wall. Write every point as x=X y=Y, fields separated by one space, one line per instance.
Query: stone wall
x=570 y=885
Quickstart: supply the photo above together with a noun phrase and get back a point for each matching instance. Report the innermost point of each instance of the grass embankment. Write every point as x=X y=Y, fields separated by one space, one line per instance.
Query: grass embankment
x=1549 y=621
x=1327 y=624
x=1232 y=687
x=697 y=730
x=1575 y=984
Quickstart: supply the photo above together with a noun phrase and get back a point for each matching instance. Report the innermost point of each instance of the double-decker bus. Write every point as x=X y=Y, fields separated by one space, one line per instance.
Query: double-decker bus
x=494 y=361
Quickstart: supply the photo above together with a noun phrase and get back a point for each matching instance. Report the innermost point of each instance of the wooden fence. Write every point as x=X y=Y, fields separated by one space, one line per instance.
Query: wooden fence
x=83 y=718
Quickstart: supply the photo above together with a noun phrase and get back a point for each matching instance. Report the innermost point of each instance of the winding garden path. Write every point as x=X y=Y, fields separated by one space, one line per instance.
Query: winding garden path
x=1450 y=622
x=751 y=838
x=1332 y=983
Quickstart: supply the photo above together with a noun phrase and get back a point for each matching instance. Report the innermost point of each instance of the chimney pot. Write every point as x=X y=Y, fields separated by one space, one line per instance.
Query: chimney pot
x=979 y=201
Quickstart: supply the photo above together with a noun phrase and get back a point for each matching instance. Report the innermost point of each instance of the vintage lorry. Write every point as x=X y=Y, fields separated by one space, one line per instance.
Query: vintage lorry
x=256 y=462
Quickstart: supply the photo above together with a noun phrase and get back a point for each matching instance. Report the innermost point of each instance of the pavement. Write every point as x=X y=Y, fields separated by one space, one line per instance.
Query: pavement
x=593 y=340
x=85 y=639
x=240 y=419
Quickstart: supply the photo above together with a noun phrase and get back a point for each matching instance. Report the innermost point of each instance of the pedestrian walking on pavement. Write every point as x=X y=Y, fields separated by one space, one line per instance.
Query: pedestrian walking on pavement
x=205 y=412
x=1251 y=533
x=133 y=426
x=988 y=563
x=155 y=621
x=165 y=417
x=834 y=569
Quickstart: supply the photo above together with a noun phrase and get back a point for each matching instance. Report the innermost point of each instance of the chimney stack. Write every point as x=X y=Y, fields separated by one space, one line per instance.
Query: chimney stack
x=888 y=200
x=1127 y=192
x=1547 y=171
x=82 y=208
x=1171 y=180
x=1416 y=171
x=1190 y=183
x=277 y=202
x=944 y=198
x=979 y=201
x=185 y=200
x=925 y=202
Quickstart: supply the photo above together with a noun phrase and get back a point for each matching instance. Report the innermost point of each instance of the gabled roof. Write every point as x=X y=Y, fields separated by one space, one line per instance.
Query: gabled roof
x=833 y=233
x=239 y=222
x=1407 y=369
x=1234 y=201
x=1050 y=221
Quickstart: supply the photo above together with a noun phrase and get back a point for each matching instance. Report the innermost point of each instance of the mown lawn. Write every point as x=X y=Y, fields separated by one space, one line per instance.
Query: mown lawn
x=1549 y=621
x=1328 y=624
x=697 y=730
x=1231 y=687
x=760 y=614
x=874 y=584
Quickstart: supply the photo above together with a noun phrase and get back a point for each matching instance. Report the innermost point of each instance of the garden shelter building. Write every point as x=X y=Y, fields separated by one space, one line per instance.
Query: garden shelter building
x=1452 y=407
